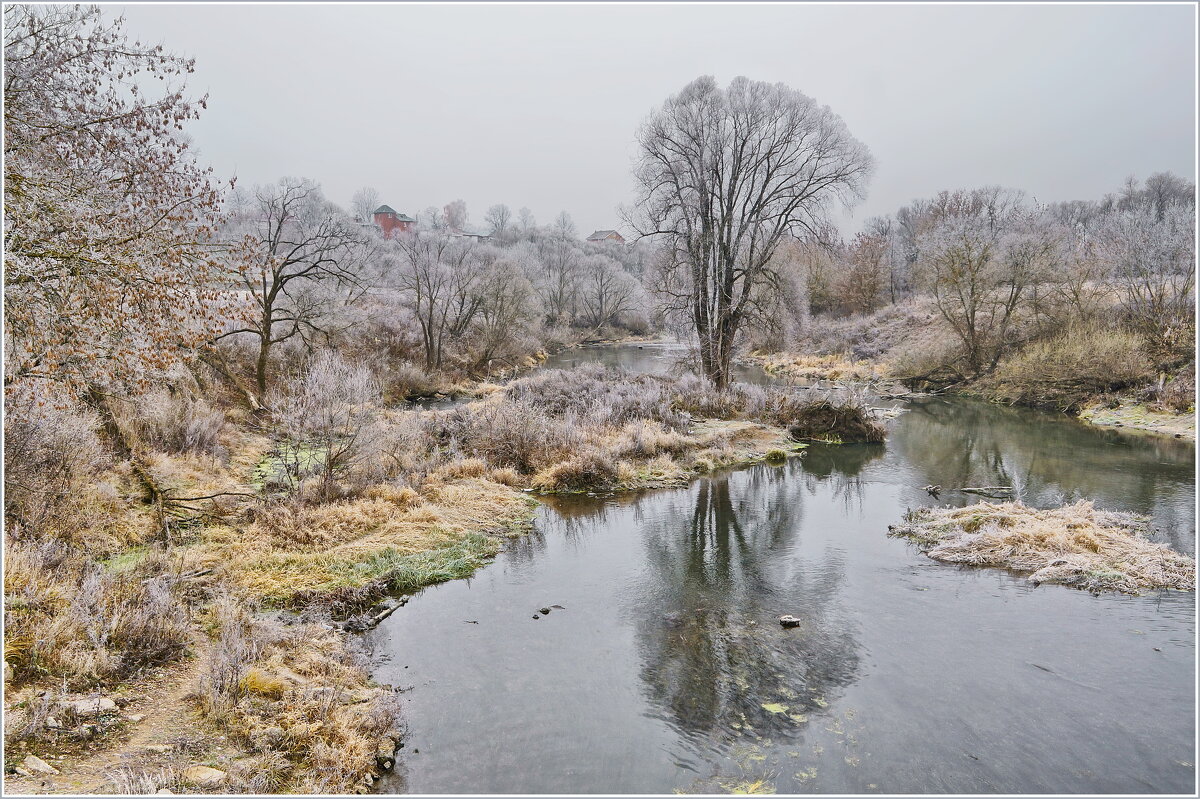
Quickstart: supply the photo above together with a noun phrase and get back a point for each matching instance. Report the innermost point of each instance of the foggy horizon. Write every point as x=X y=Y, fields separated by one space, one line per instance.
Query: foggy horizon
x=538 y=105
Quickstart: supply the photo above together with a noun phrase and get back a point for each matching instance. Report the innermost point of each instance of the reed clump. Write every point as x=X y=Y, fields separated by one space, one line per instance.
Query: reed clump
x=1077 y=545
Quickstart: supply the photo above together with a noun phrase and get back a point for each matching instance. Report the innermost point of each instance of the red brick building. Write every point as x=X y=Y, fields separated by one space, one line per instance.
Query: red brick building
x=392 y=223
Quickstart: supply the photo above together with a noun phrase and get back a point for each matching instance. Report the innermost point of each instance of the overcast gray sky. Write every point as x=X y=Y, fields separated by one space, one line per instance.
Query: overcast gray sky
x=537 y=105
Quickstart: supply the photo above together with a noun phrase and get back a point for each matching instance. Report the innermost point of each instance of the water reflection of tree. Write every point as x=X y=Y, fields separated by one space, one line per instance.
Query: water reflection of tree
x=722 y=571
x=840 y=465
x=962 y=443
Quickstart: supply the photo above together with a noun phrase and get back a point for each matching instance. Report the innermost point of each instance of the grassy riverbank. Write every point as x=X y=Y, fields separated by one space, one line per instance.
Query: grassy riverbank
x=1099 y=372
x=235 y=600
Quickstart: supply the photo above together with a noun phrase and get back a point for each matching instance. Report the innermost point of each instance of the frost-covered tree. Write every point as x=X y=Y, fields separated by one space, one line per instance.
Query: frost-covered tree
x=865 y=278
x=432 y=218
x=980 y=256
x=507 y=308
x=498 y=219
x=1153 y=263
x=111 y=271
x=435 y=274
x=606 y=291
x=558 y=283
x=455 y=215
x=294 y=245
x=364 y=203
x=564 y=226
x=727 y=175
x=526 y=221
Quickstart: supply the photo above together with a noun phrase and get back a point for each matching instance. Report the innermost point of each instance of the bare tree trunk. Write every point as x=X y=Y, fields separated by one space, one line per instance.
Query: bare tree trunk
x=260 y=366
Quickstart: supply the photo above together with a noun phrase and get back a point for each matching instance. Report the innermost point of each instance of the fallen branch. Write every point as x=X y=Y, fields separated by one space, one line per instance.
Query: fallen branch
x=988 y=491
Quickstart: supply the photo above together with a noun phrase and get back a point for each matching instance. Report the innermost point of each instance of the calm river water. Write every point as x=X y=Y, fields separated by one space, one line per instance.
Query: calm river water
x=667 y=670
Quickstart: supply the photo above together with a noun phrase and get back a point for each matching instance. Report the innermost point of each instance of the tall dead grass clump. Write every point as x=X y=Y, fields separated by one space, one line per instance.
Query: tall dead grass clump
x=841 y=417
x=52 y=454
x=1177 y=394
x=516 y=433
x=1073 y=366
x=588 y=469
x=407 y=381
x=176 y=423
x=298 y=696
x=843 y=420
x=1076 y=545
x=87 y=622
x=597 y=395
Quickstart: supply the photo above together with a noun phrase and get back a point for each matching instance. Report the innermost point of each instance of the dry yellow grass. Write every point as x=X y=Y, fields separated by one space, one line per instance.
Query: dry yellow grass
x=290 y=549
x=1077 y=545
x=303 y=697
x=646 y=455
x=1139 y=416
x=817 y=367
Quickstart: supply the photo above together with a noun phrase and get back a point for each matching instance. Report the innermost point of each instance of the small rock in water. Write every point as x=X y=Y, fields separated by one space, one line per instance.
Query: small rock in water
x=536 y=616
x=544 y=611
x=789 y=621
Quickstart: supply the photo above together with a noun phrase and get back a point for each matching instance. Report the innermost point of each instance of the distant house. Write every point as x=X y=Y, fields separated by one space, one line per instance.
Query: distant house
x=469 y=233
x=391 y=222
x=606 y=235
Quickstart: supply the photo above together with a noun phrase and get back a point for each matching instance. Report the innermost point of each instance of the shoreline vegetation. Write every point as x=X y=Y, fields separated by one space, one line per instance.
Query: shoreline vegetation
x=225 y=441
x=1107 y=379
x=1075 y=545
x=245 y=600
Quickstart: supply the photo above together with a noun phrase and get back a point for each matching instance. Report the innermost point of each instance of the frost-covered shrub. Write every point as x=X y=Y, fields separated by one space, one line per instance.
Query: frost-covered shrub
x=325 y=418
x=596 y=395
x=177 y=423
x=87 y=622
x=52 y=450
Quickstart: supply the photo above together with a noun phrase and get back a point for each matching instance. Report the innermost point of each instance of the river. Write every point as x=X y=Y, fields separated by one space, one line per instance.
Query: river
x=666 y=668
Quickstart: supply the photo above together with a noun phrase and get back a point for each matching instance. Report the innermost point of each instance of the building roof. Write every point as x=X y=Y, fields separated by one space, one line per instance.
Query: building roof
x=385 y=209
x=600 y=235
x=403 y=217
x=472 y=232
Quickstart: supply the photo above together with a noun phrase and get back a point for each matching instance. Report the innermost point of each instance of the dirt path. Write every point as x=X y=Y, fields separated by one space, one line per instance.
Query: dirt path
x=166 y=715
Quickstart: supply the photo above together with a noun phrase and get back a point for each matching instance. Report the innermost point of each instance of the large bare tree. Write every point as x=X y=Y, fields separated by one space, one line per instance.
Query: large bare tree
x=727 y=175
x=295 y=244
